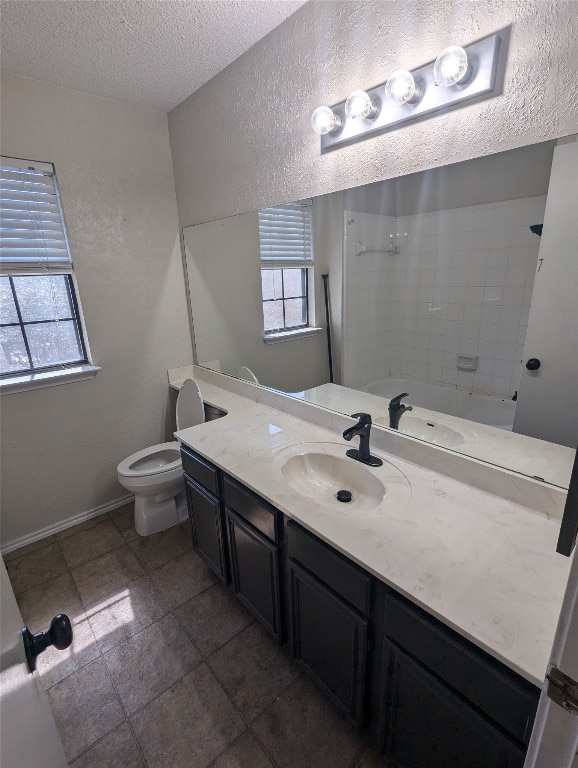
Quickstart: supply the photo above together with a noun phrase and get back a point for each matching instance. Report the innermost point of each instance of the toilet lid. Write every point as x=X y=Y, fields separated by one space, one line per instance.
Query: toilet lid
x=190 y=408
x=246 y=374
x=163 y=457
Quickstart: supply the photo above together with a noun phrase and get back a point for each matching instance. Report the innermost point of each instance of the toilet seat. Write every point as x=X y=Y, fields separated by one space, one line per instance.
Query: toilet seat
x=152 y=461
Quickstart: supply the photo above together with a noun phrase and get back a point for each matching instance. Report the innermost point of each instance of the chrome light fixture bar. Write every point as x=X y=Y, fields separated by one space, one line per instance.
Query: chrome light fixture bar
x=479 y=80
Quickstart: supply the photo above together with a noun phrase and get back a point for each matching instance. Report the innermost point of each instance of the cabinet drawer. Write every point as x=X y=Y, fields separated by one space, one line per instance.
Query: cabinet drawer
x=345 y=578
x=504 y=696
x=200 y=470
x=251 y=508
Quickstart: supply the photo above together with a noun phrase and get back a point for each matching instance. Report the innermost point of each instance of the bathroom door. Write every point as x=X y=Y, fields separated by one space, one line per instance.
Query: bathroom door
x=28 y=734
x=547 y=406
x=554 y=741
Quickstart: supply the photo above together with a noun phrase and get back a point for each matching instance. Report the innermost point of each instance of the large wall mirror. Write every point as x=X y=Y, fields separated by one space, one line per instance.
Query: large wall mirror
x=457 y=286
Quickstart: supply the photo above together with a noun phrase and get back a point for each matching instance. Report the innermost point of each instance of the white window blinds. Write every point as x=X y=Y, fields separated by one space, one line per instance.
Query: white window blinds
x=32 y=231
x=286 y=236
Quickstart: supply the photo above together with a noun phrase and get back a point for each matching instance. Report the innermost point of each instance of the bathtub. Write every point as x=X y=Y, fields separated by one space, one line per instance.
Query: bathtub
x=483 y=409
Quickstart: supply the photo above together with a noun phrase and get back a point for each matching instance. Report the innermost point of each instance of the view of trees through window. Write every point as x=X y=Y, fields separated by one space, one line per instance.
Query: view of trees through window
x=39 y=325
x=284 y=299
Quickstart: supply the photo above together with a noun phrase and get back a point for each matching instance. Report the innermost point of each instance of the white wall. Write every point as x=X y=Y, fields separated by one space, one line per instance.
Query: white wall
x=243 y=141
x=548 y=401
x=61 y=445
x=224 y=281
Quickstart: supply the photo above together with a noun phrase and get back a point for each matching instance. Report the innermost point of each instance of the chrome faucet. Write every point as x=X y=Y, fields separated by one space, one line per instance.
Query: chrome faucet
x=396 y=409
x=363 y=429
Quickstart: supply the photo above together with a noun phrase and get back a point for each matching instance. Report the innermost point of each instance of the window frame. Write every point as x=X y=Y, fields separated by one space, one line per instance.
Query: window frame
x=75 y=318
x=57 y=373
x=277 y=254
x=304 y=297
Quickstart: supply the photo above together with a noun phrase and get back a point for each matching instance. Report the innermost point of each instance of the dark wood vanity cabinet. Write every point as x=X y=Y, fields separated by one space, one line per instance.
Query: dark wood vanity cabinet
x=442 y=701
x=423 y=695
x=254 y=530
x=427 y=725
x=329 y=639
x=329 y=607
x=205 y=513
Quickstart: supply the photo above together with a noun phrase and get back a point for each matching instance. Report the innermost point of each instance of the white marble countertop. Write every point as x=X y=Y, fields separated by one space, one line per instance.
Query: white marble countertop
x=484 y=566
x=528 y=455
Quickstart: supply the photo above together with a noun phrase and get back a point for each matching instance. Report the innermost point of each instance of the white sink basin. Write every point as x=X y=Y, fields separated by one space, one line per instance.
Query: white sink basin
x=319 y=470
x=433 y=431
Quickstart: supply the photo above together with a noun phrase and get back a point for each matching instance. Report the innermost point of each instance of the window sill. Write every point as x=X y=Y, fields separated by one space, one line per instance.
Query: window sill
x=300 y=333
x=47 y=379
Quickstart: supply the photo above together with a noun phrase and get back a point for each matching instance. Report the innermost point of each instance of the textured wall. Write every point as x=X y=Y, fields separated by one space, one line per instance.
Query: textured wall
x=61 y=445
x=244 y=141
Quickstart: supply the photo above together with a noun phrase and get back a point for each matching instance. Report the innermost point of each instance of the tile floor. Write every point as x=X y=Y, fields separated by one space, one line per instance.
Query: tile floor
x=167 y=670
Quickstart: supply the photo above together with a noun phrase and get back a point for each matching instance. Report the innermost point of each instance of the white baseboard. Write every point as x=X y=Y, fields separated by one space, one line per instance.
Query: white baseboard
x=68 y=523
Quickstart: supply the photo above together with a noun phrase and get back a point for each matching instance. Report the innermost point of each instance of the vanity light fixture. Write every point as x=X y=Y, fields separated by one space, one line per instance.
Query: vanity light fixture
x=360 y=104
x=324 y=120
x=400 y=88
x=451 y=66
x=407 y=95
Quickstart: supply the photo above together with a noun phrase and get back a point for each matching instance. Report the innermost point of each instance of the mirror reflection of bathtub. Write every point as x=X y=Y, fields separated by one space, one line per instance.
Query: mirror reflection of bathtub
x=440 y=285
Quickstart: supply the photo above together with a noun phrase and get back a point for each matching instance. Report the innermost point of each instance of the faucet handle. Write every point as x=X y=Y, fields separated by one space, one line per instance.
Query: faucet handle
x=395 y=402
x=364 y=418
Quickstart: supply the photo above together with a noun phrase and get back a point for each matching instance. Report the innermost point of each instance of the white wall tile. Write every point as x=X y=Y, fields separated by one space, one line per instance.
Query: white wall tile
x=462 y=282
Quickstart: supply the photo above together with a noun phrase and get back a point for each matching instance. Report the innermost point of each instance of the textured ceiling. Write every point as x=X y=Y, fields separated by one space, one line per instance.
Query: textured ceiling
x=152 y=52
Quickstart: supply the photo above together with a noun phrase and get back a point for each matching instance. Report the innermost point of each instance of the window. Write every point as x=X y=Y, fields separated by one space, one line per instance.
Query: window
x=286 y=247
x=40 y=321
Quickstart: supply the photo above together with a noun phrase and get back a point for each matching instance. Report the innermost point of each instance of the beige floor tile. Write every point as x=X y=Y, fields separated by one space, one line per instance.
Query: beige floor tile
x=85 y=707
x=254 y=670
x=84 y=526
x=149 y=662
x=370 y=759
x=117 y=750
x=28 y=549
x=303 y=730
x=189 y=725
x=154 y=551
x=213 y=617
x=36 y=568
x=90 y=544
x=38 y=606
x=119 y=511
x=128 y=611
x=183 y=578
x=246 y=752
x=124 y=524
x=106 y=574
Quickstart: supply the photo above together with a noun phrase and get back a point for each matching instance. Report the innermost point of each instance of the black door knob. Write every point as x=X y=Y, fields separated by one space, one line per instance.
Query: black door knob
x=533 y=364
x=59 y=634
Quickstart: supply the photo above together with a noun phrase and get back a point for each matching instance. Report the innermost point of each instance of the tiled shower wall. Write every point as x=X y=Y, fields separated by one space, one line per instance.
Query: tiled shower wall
x=461 y=284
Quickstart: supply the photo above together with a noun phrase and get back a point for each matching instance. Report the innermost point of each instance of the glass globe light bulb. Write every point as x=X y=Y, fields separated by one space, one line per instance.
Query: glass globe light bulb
x=450 y=66
x=359 y=104
x=324 y=120
x=400 y=87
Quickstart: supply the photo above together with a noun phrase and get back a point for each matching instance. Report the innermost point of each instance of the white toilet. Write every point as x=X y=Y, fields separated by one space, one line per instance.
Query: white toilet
x=155 y=474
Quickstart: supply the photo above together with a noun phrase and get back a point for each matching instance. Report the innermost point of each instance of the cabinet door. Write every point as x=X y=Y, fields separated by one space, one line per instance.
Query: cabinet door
x=330 y=642
x=207 y=528
x=255 y=572
x=426 y=725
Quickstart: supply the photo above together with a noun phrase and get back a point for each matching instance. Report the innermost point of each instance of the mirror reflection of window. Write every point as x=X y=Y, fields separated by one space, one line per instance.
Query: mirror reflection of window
x=286 y=252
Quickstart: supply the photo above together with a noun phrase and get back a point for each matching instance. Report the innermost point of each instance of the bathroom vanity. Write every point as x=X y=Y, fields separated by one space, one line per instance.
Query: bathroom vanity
x=425 y=609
